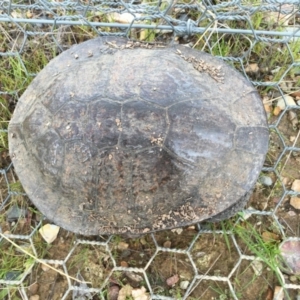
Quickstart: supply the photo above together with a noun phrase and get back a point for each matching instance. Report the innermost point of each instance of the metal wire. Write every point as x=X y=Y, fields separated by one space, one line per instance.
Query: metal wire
x=212 y=18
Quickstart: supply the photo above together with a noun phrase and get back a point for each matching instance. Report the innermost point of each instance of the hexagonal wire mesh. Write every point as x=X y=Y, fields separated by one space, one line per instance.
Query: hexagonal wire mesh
x=234 y=259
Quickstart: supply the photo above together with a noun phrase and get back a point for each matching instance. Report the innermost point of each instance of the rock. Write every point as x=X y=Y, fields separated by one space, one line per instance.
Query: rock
x=293 y=118
x=172 y=280
x=14 y=213
x=123 y=264
x=167 y=244
x=270 y=236
x=252 y=68
x=257 y=267
x=192 y=227
x=184 y=284
x=140 y=294
x=34 y=297
x=123 y=246
x=296 y=185
x=113 y=292
x=45 y=268
x=177 y=230
x=293 y=278
x=266 y=180
x=125 y=292
x=278 y=293
x=12 y=275
x=49 y=232
x=33 y=288
x=290 y=256
x=288 y=100
x=276 y=111
x=134 y=277
x=291 y=213
x=295 y=202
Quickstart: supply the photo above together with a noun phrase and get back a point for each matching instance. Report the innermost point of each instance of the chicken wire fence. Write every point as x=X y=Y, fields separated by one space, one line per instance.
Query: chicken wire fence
x=209 y=261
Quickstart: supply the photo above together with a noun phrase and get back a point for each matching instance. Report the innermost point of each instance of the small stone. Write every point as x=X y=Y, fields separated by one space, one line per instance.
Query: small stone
x=290 y=256
x=49 y=232
x=33 y=288
x=14 y=213
x=113 y=292
x=288 y=100
x=293 y=278
x=172 y=280
x=34 y=297
x=295 y=202
x=143 y=240
x=45 y=268
x=296 y=185
x=278 y=293
x=184 y=284
x=177 y=230
x=123 y=264
x=257 y=267
x=123 y=246
x=291 y=213
x=124 y=292
x=192 y=227
x=140 y=294
x=285 y=180
x=267 y=108
x=252 y=68
x=167 y=244
x=266 y=180
x=29 y=14
x=276 y=111
x=134 y=277
x=12 y=275
x=270 y=236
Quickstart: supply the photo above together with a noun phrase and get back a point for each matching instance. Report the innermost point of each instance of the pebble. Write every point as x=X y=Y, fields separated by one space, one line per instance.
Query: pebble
x=123 y=264
x=296 y=185
x=295 y=202
x=33 y=288
x=34 y=297
x=134 y=277
x=268 y=236
x=167 y=244
x=45 y=268
x=289 y=101
x=12 y=275
x=290 y=253
x=177 y=230
x=266 y=180
x=291 y=213
x=257 y=267
x=14 y=213
x=123 y=246
x=49 y=232
x=172 y=280
x=293 y=278
x=278 y=293
x=184 y=284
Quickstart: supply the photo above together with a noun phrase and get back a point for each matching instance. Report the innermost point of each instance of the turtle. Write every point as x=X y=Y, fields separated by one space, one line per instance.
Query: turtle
x=121 y=137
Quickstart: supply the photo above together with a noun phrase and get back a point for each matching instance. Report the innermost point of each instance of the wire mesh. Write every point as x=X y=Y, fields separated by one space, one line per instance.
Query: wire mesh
x=259 y=38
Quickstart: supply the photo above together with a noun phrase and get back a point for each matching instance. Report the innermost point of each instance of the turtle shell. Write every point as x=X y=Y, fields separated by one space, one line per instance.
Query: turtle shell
x=121 y=137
